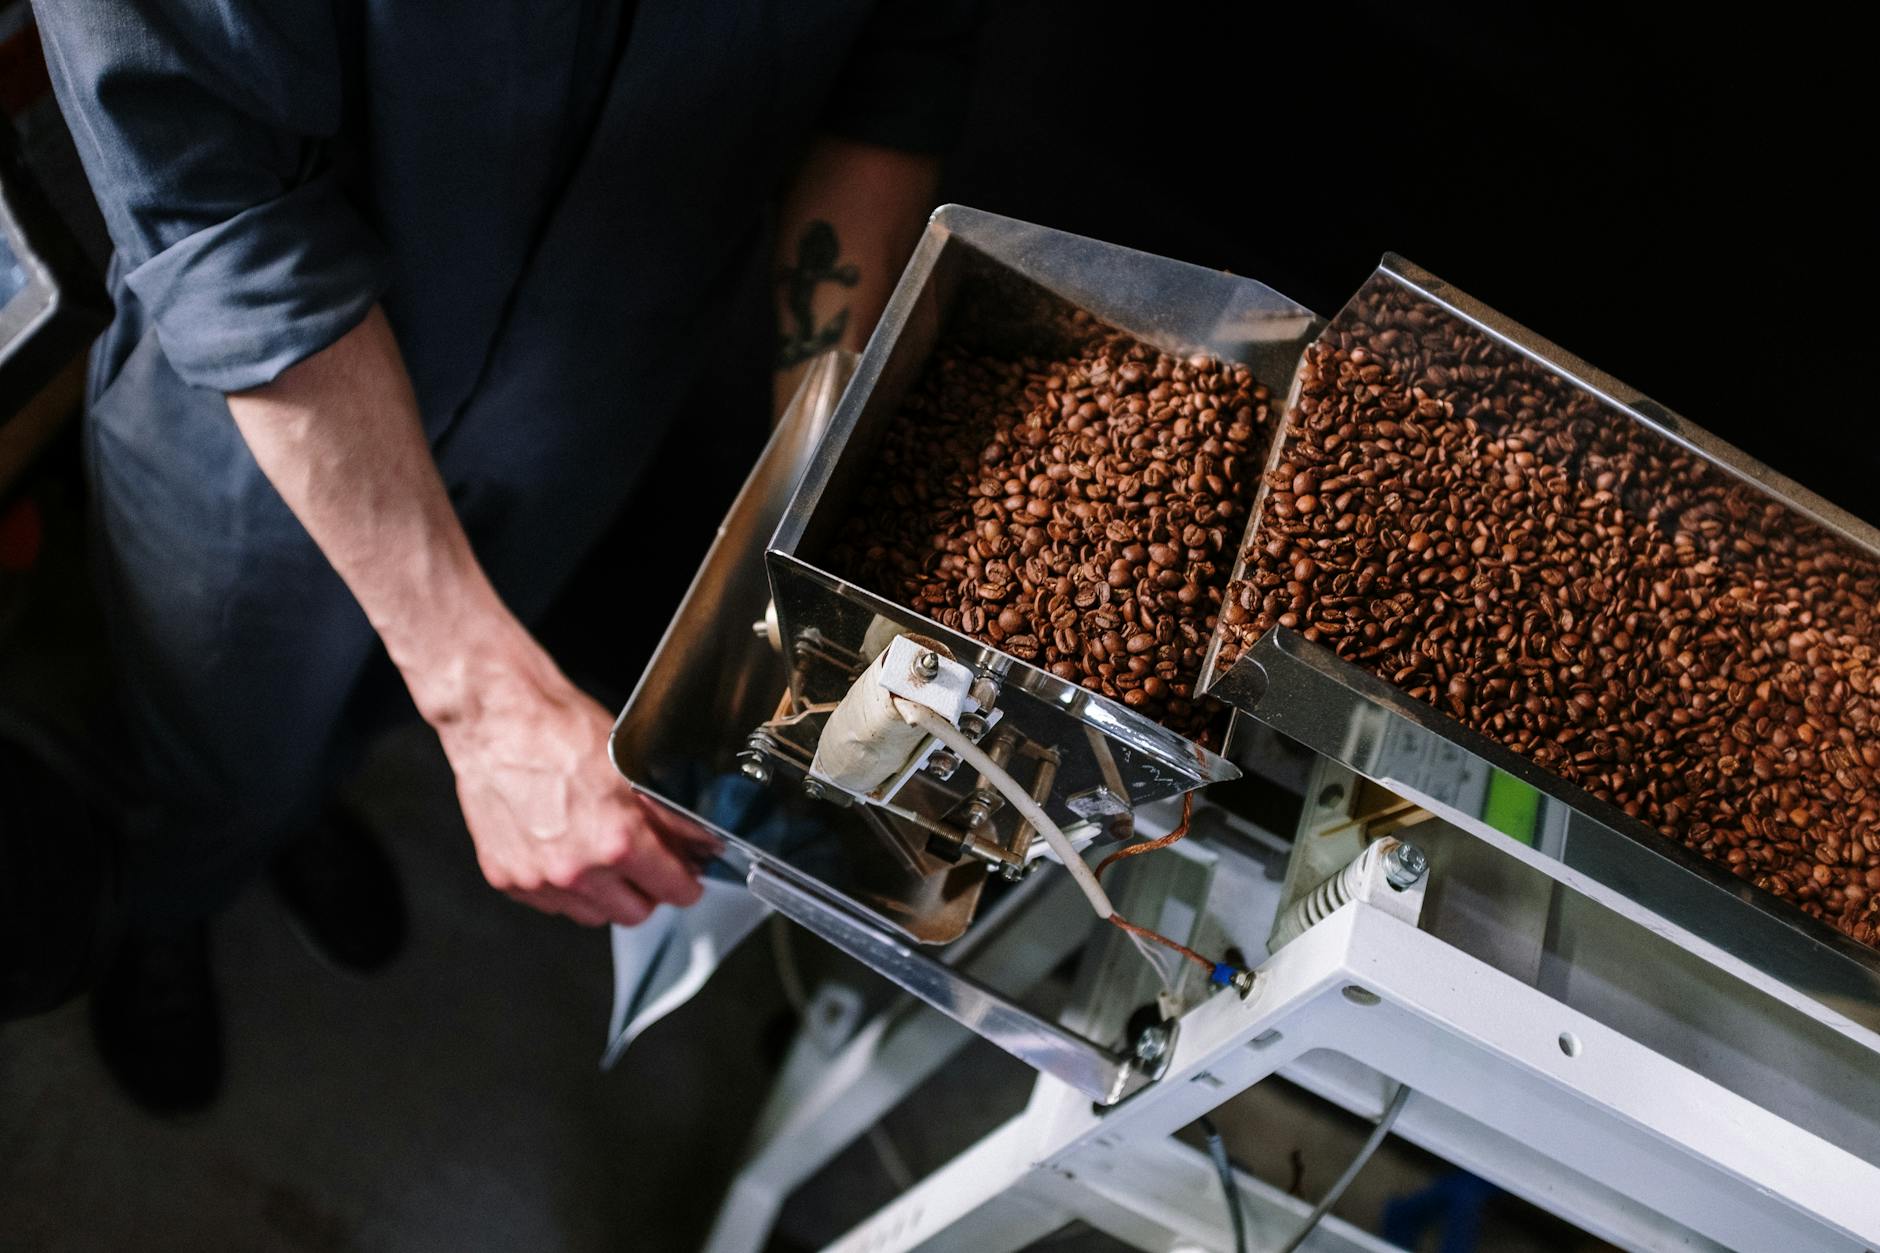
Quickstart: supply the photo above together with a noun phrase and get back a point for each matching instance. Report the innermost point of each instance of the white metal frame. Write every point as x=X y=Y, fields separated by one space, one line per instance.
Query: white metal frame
x=1507 y=1082
x=836 y=1085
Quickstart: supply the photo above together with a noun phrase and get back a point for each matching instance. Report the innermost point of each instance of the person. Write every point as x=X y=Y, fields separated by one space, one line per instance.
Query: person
x=406 y=296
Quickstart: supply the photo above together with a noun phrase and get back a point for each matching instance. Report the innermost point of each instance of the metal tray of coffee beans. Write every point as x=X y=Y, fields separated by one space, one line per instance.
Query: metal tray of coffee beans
x=1489 y=576
x=958 y=491
x=1045 y=464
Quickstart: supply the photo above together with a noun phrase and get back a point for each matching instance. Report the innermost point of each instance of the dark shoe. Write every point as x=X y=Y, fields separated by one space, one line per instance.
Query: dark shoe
x=153 y=1015
x=57 y=879
x=342 y=895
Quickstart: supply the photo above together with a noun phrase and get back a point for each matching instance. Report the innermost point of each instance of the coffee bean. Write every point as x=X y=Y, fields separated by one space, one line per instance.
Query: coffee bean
x=1081 y=507
x=1491 y=538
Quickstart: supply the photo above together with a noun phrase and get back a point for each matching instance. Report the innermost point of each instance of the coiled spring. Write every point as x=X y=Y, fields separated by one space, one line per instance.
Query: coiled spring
x=1404 y=864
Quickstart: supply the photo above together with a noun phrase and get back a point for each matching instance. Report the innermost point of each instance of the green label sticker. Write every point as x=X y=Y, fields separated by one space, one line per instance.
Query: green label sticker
x=1511 y=806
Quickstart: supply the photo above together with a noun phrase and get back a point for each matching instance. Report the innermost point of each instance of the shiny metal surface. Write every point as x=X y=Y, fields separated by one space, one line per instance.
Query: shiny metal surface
x=1012 y=287
x=713 y=683
x=713 y=679
x=1098 y=1073
x=1009 y=285
x=1305 y=691
x=1637 y=980
x=711 y=665
x=1340 y=710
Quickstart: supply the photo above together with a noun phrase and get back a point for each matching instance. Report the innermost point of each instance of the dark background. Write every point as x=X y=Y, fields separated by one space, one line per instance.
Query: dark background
x=1675 y=200
x=1672 y=197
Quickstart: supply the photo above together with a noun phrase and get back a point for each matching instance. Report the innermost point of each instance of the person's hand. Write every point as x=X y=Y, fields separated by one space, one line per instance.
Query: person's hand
x=339 y=435
x=555 y=827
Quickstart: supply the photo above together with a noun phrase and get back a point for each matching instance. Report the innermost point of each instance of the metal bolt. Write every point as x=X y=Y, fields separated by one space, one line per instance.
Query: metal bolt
x=973 y=724
x=943 y=763
x=814 y=789
x=927 y=663
x=1404 y=865
x=1152 y=1044
x=1243 y=983
x=1011 y=872
x=755 y=769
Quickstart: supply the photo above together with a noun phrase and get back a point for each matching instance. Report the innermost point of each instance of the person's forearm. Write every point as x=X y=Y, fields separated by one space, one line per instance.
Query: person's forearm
x=847 y=225
x=339 y=436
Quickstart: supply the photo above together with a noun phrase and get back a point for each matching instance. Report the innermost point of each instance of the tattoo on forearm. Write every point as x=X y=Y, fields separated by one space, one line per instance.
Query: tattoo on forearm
x=816 y=252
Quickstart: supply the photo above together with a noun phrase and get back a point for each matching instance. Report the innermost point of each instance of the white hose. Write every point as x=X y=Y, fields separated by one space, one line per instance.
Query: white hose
x=957 y=740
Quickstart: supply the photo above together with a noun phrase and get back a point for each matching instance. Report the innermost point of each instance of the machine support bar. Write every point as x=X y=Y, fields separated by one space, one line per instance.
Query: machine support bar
x=1096 y=1072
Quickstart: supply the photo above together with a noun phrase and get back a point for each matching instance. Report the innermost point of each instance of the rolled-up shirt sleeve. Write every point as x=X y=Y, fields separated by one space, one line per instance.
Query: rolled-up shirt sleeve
x=206 y=130
x=905 y=84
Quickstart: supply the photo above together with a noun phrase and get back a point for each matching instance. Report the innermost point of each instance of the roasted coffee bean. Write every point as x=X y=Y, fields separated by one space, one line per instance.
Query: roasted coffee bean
x=1082 y=513
x=1575 y=586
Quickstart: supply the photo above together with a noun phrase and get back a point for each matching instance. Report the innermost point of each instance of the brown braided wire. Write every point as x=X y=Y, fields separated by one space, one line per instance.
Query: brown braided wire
x=1149 y=846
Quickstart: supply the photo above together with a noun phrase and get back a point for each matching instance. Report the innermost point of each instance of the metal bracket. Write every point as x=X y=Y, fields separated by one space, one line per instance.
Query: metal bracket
x=1096 y=1072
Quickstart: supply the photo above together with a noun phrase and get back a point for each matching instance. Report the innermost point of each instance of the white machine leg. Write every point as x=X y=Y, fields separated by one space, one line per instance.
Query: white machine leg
x=825 y=1099
x=975 y=1202
x=1010 y=1222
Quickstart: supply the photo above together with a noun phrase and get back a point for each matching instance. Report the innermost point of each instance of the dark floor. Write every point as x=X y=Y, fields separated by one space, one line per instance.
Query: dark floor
x=453 y=1103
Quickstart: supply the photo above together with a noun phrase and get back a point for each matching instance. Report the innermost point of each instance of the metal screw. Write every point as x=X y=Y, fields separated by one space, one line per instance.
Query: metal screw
x=755 y=769
x=814 y=789
x=1011 y=872
x=973 y=724
x=1404 y=865
x=943 y=763
x=927 y=663
x=1243 y=983
x=1152 y=1044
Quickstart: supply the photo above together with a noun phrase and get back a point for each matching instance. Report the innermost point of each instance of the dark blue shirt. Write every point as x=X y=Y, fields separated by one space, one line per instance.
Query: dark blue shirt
x=548 y=196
